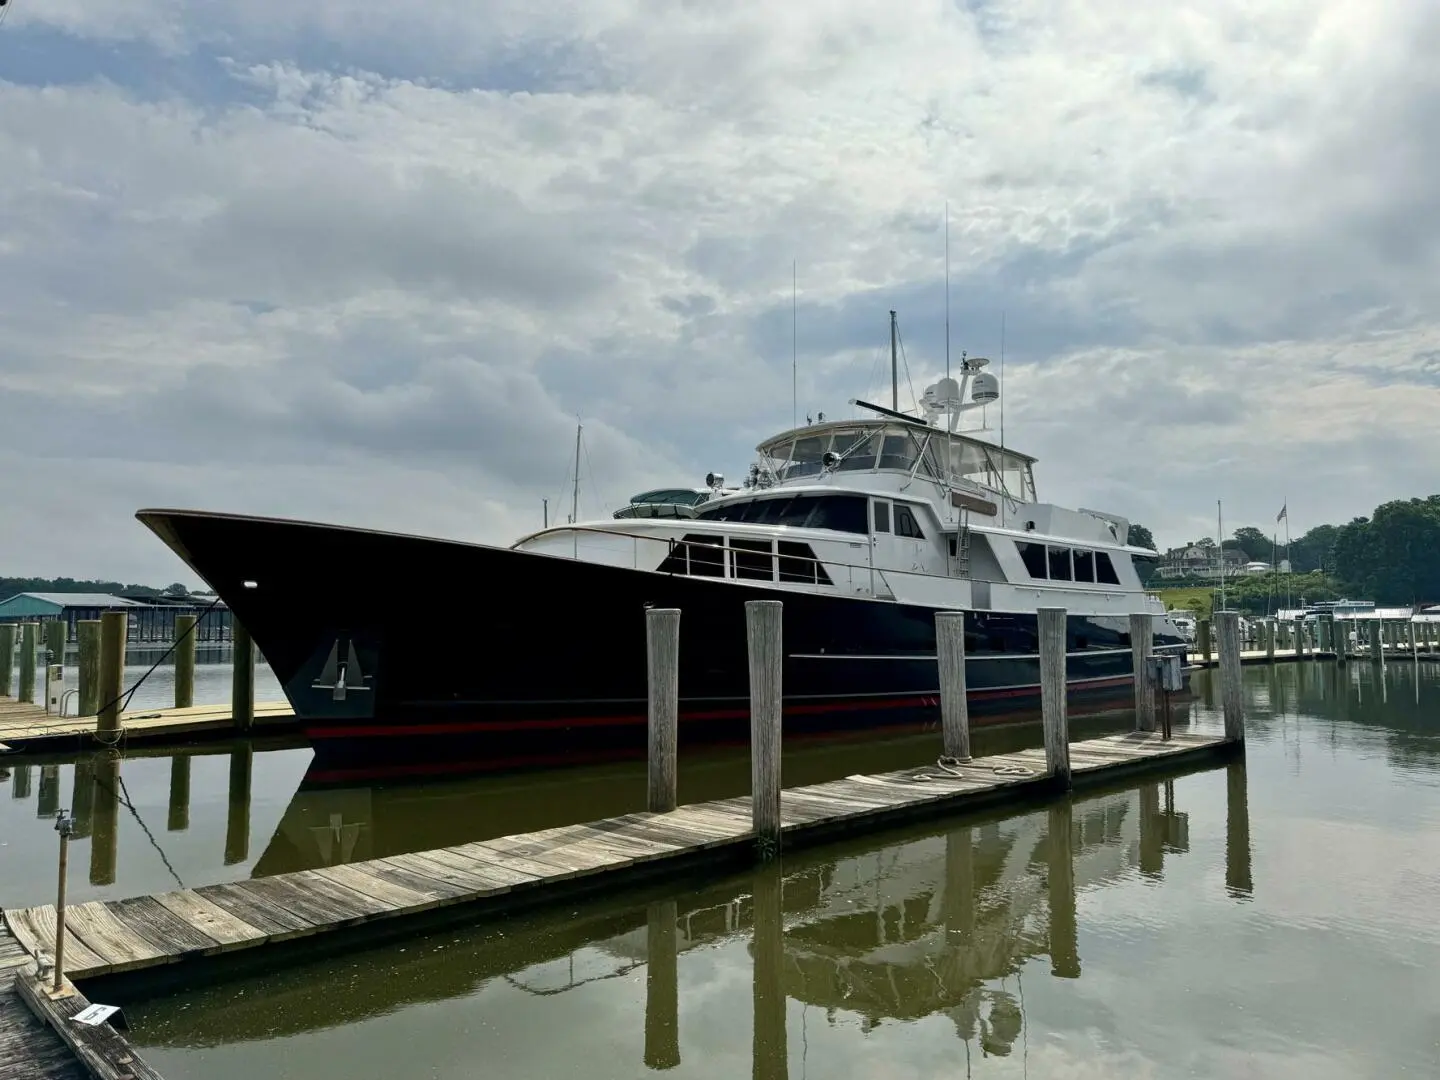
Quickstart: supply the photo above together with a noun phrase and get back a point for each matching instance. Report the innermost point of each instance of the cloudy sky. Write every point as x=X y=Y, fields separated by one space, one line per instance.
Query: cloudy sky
x=368 y=263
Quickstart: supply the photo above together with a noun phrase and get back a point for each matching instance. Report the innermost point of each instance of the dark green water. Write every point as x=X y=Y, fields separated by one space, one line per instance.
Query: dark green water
x=1279 y=918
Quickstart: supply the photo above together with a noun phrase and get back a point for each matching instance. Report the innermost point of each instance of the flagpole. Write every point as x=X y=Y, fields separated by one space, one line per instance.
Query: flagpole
x=1288 y=601
x=1220 y=528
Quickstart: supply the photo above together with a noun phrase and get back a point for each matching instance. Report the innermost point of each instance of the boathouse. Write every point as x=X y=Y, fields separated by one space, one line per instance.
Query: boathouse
x=152 y=618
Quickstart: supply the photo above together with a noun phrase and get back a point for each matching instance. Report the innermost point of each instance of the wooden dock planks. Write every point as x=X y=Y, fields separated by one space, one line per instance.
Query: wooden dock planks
x=38 y=1041
x=29 y=727
x=115 y=936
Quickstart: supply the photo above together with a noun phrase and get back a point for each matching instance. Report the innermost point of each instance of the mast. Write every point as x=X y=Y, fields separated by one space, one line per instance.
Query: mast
x=947 y=293
x=575 y=493
x=894 y=367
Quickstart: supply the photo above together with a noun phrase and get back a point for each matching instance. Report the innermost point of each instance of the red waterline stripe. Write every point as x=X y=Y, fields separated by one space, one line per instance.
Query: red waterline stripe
x=622 y=720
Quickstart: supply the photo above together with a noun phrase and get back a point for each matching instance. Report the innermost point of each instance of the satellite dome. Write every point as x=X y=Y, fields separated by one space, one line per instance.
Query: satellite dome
x=947 y=391
x=984 y=388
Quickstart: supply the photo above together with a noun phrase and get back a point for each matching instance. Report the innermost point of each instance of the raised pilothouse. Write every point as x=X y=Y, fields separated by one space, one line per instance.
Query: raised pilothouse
x=895 y=508
x=535 y=654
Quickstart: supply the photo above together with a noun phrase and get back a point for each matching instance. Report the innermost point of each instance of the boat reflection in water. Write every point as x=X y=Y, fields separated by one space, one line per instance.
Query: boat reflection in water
x=928 y=924
x=326 y=823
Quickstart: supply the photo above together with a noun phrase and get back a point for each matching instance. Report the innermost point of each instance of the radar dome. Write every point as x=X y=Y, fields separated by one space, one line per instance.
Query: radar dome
x=984 y=388
x=947 y=391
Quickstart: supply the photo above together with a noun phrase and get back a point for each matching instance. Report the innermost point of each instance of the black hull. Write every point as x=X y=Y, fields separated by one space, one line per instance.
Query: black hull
x=474 y=655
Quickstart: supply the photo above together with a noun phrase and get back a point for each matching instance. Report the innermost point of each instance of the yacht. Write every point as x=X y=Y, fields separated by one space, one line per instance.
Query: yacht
x=534 y=654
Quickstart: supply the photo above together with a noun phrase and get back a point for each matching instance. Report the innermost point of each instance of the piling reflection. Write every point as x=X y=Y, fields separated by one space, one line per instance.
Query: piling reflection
x=178 y=811
x=104 y=839
x=935 y=924
x=662 y=986
x=237 y=818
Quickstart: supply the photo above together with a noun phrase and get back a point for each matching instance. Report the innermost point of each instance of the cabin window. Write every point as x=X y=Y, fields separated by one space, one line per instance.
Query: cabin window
x=844 y=513
x=798 y=563
x=699 y=556
x=897 y=452
x=1084 y=565
x=1105 y=569
x=805 y=457
x=882 y=516
x=906 y=525
x=751 y=560
x=1033 y=556
x=862 y=456
x=1059 y=564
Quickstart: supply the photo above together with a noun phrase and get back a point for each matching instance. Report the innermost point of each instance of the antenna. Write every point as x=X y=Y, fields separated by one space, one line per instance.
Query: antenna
x=794 y=348
x=894 y=368
x=1002 y=376
x=947 y=290
x=575 y=492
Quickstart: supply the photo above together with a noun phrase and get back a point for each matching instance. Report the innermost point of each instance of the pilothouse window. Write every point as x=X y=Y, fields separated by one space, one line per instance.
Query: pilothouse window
x=1059 y=564
x=1084 y=565
x=1105 y=569
x=882 y=516
x=906 y=525
x=1033 y=556
x=844 y=513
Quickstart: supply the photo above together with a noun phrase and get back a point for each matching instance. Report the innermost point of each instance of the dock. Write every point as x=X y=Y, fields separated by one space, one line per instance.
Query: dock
x=39 y=1041
x=24 y=726
x=117 y=936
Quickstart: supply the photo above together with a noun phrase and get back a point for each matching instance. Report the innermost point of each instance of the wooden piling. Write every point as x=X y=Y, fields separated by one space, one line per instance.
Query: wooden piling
x=764 y=640
x=242 y=683
x=954 y=708
x=1377 y=641
x=1202 y=637
x=1142 y=639
x=113 y=628
x=7 y=659
x=57 y=632
x=27 y=661
x=184 y=661
x=178 y=817
x=1232 y=691
x=87 y=643
x=1052 y=625
x=662 y=645
x=1270 y=631
x=662 y=986
x=1060 y=872
x=1299 y=640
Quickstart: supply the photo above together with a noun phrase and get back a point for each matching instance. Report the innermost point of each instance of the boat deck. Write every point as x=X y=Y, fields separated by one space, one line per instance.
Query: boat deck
x=109 y=937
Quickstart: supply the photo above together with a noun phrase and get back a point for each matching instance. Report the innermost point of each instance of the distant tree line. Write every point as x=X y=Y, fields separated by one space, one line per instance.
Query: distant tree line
x=11 y=586
x=1390 y=557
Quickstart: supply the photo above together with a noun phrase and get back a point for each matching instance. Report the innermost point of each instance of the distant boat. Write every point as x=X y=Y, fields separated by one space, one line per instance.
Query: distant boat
x=535 y=654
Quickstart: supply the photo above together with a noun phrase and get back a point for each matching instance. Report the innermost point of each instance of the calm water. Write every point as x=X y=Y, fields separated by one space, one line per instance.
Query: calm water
x=1276 y=919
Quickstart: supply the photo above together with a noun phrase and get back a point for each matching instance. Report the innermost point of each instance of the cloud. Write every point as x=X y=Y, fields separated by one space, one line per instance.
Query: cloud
x=252 y=242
